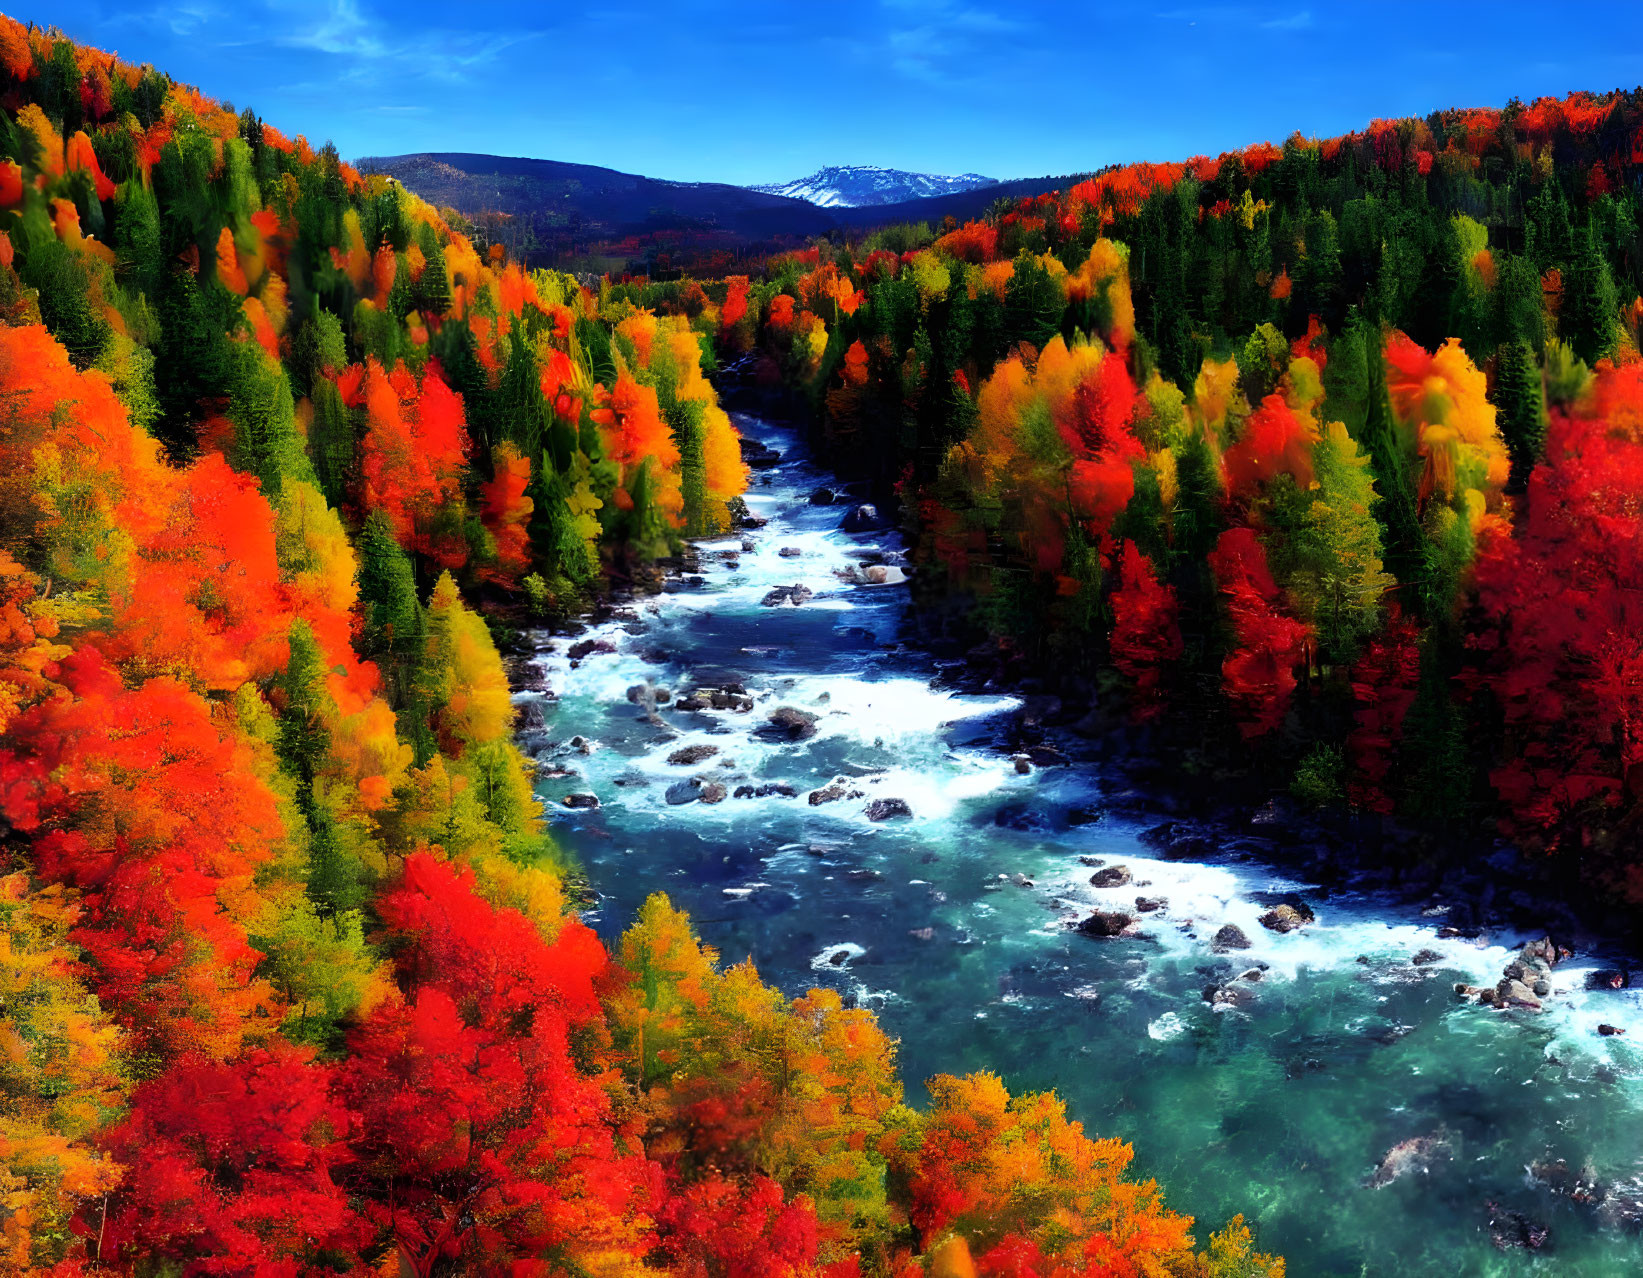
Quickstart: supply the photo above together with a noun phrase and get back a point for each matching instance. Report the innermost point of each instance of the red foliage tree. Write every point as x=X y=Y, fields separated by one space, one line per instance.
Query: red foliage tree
x=506 y=515
x=1385 y=680
x=1145 y=636
x=412 y=458
x=1259 y=674
x=140 y=800
x=1562 y=607
x=230 y=1169
x=481 y=1137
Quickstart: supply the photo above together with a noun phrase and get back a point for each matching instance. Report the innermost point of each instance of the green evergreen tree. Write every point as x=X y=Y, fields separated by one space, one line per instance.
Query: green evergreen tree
x=1519 y=398
x=1589 y=319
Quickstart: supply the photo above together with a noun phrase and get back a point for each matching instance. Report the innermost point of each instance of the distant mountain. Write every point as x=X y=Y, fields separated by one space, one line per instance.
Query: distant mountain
x=862 y=185
x=547 y=209
x=589 y=218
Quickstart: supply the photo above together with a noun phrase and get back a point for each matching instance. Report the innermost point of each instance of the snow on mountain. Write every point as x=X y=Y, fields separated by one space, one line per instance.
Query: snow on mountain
x=853 y=186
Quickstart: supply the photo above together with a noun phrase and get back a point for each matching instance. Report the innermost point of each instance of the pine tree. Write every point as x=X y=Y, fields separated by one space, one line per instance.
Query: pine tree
x=1519 y=396
x=1588 y=318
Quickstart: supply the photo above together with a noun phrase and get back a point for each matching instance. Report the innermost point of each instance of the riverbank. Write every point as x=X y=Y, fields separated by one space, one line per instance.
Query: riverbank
x=1274 y=1079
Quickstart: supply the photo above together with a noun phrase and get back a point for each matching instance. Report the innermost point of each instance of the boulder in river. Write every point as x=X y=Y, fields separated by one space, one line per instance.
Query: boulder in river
x=875 y=574
x=823 y=497
x=863 y=518
x=795 y=595
x=1415 y=1156
x=1286 y=918
x=1609 y=1031
x=1230 y=937
x=689 y=755
x=1105 y=923
x=588 y=647
x=1608 y=978
x=887 y=809
x=711 y=792
x=1526 y=980
x=759 y=456
x=580 y=801
x=1424 y=958
x=790 y=552
x=1111 y=877
x=1179 y=841
x=1229 y=995
x=1147 y=904
x=789 y=723
x=683 y=792
x=833 y=792
x=1512 y=1229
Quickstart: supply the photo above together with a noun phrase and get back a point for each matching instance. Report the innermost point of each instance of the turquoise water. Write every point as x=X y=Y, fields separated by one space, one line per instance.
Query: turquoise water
x=952 y=926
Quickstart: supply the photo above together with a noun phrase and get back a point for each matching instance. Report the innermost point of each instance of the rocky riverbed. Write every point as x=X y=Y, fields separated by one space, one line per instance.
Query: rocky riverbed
x=1275 y=1037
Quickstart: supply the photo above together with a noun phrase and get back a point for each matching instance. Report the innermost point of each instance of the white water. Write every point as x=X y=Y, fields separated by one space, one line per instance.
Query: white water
x=953 y=926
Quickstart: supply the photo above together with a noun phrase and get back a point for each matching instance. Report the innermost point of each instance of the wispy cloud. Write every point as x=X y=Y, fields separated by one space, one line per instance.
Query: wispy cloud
x=1301 y=21
x=373 y=53
x=953 y=44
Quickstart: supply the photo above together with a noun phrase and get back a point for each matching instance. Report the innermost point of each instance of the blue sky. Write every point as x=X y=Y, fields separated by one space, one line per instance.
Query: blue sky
x=750 y=91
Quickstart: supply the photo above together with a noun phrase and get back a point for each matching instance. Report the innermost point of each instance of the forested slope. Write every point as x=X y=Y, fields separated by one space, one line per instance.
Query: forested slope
x=1320 y=460
x=290 y=984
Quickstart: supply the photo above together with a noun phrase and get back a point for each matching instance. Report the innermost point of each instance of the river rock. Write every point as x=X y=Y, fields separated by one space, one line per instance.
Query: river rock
x=588 y=647
x=1229 y=995
x=1526 y=980
x=1609 y=1031
x=1424 y=958
x=682 y=792
x=580 y=800
x=875 y=574
x=1105 y=923
x=887 y=809
x=794 y=595
x=790 y=552
x=832 y=793
x=1179 y=841
x=1111 y=877
x=1415 y=1156
x=1512 y=1229
x=1230 y=937
x=1608 y=978
x=863 y=518
x=1147 y=904
x=711 y=792
x=789 y=723
x=1023 y=765
x=1556 y=1177
x=759 y=456
x=1286 y=918
x=692 y=754
x=1514 y=993
x=581 y=745
x=823 y=497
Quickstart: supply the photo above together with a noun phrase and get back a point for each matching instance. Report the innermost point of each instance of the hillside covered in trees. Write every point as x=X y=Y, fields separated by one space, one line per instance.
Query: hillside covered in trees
x=1321 y=457
x=293 y=983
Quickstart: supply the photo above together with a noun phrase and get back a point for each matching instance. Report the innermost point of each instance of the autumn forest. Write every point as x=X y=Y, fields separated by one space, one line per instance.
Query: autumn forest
x=1310 y=468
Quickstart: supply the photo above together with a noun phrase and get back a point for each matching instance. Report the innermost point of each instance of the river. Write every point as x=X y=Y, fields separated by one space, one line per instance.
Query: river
x=953 y=927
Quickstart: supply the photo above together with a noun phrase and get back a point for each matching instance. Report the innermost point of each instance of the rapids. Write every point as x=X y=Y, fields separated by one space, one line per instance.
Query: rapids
x=953 y=926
